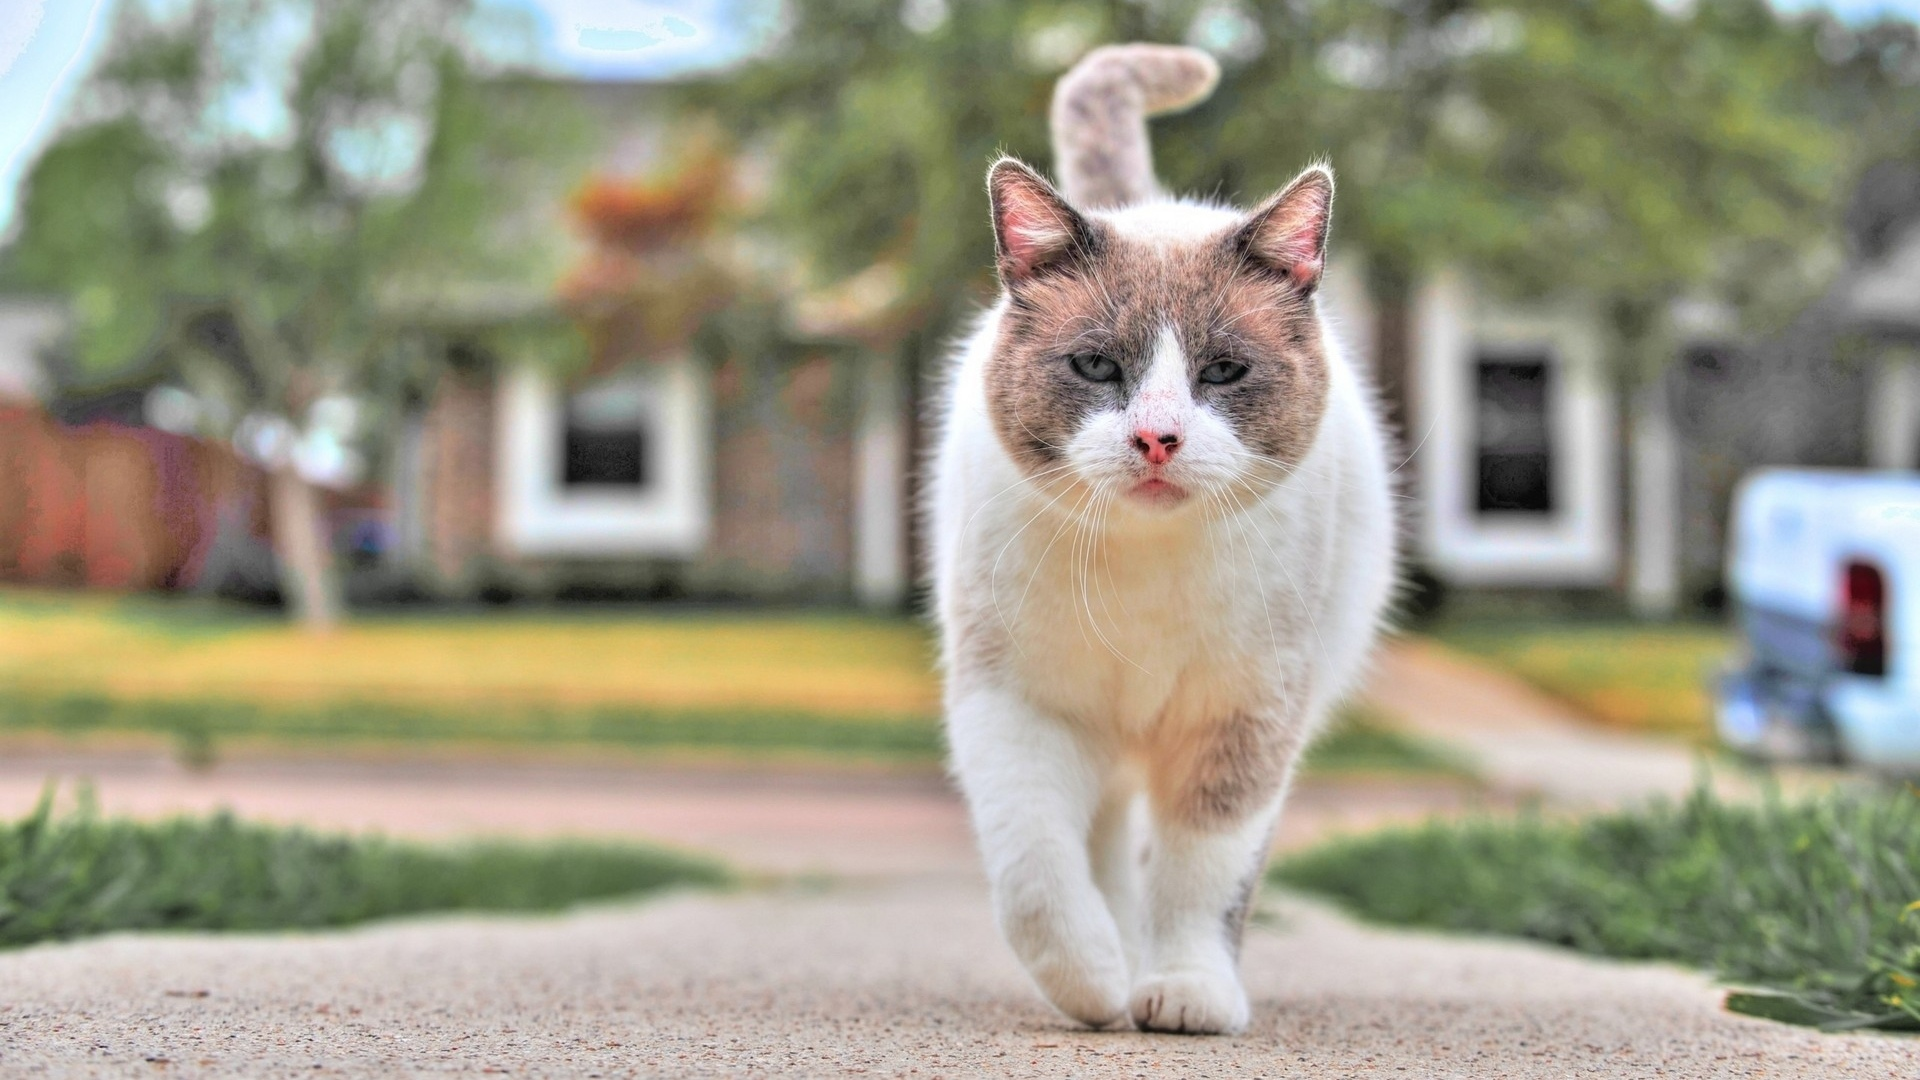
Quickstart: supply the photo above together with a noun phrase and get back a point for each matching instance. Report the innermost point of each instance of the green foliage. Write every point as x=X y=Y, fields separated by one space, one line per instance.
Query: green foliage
x=70 y=875
x=257 y=197
x=290 y=207
x=1620 y=147
x=1811 y=903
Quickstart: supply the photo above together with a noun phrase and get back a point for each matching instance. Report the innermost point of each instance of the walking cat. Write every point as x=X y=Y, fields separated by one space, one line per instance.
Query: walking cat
x=1162 y=540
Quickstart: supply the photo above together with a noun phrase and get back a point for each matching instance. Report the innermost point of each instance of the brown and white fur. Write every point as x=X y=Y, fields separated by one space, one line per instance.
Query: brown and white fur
x=1162 y=541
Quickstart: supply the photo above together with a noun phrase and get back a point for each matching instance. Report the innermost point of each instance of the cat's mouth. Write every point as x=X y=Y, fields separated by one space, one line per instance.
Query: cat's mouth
x=1156 y=491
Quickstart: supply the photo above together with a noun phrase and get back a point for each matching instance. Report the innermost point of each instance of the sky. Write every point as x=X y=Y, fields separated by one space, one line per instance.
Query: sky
x=45 y=46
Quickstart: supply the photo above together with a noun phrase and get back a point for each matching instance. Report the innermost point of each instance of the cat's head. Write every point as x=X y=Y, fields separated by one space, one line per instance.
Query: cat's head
x=1167 y=355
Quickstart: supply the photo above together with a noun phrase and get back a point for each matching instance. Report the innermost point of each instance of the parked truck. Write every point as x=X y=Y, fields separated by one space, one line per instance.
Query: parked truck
x=1824 y=573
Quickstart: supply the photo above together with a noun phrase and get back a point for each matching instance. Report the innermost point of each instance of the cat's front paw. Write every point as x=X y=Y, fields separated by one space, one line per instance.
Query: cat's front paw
x=1193 y=1002
x=1073 y=951
x=1087 y=982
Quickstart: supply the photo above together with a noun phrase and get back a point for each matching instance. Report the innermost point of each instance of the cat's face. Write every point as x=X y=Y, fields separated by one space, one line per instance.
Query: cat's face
x=1169 y=371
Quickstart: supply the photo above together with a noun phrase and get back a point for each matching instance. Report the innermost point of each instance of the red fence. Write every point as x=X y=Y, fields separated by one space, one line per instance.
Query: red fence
x=114 y=507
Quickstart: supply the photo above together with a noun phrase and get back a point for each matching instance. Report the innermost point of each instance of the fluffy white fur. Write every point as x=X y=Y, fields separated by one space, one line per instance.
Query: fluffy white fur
x=1117 y=626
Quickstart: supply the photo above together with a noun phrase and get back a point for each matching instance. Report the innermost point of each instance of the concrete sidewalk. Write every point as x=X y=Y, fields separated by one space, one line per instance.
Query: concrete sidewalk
x=905 y=980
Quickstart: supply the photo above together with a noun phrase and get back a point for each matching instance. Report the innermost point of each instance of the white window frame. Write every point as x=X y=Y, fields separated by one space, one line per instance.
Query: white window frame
x=26 y=327
x=1578 y=544
x=539 y=516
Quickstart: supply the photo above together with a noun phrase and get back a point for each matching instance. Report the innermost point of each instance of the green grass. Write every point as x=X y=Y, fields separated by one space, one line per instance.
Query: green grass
x=1361 y=741
x=68 y=875
x=1653 y=677
x=1813 y=907
x=1358 y=741
x=198 y=729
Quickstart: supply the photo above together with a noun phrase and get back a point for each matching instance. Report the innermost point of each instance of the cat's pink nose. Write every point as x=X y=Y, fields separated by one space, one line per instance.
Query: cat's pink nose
x=1156 y=446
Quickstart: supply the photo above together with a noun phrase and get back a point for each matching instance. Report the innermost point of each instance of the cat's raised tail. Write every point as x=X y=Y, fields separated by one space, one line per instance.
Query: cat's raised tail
x=1100 y=112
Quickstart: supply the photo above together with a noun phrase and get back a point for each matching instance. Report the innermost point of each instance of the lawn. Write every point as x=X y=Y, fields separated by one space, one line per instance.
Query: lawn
x=1653 y=677
x=208 y=677
x=841 y=665
x=1813 y=907
x=66 y=875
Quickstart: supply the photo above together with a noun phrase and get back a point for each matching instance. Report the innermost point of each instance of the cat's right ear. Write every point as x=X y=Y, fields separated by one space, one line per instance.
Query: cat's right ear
x=1034 y=230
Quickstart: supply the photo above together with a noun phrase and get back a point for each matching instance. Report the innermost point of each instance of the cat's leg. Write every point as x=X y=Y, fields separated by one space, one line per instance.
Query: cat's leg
x=1116 y=846
x=1213 y=808
x=1033 y=790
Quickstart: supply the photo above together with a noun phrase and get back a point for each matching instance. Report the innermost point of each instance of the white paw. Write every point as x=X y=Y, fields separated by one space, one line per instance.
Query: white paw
x=1074 y=954
x=1088 y=984
x=1193 y=1002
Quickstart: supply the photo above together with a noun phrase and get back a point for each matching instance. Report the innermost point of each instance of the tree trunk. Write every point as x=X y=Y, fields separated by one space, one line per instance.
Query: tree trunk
x=301 y=547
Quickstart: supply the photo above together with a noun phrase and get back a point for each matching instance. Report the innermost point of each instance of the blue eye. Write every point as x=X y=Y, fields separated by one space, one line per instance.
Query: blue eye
x=1222 y=372
x=1094 y=368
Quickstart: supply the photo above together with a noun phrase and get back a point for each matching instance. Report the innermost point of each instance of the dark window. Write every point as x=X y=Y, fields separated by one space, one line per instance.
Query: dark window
x=1513 y=437
x=606 y=438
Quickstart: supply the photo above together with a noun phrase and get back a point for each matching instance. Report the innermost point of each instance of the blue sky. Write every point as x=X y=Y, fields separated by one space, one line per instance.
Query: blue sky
x=45 y=46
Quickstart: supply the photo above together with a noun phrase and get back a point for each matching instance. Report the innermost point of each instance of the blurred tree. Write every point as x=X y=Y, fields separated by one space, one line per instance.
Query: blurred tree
x=263 y=199
x=1873 y=90
x=1621 y=149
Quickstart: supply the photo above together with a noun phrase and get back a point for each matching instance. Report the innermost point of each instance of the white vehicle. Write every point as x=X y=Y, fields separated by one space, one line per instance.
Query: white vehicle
x=1824 y=567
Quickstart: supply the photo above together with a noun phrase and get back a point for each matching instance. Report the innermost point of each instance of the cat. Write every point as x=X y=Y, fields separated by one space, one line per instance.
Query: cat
x=1162 y=541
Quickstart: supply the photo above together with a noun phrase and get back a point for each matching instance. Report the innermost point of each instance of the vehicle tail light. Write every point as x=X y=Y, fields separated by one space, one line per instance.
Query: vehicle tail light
x=1863 y=619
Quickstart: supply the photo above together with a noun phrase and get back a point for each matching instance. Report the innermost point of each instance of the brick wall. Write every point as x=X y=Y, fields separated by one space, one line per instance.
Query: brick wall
x=783 y=481
x=457 y=449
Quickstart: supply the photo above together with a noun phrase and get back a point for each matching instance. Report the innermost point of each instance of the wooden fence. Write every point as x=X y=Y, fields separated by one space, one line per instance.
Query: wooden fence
x=115 y=507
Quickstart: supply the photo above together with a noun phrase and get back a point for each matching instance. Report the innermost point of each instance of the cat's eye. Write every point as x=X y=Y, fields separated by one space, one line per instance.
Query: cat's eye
x=1222 y=372
x=1094 y=368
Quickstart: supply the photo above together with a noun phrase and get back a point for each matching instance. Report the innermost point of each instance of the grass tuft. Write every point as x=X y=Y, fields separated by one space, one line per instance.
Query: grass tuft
x=68 y=875
x=1813 y=906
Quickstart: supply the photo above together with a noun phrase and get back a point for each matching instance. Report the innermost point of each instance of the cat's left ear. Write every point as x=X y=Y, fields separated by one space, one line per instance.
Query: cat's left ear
x=1288 y=233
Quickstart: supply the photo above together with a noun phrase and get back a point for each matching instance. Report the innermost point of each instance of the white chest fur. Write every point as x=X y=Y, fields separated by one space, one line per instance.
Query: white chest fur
x=1118 y=621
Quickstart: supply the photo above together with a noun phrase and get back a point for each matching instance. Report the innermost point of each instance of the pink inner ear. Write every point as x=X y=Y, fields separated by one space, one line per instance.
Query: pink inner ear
x=1292 y=239
x=1292 y=234
x=1031 y=235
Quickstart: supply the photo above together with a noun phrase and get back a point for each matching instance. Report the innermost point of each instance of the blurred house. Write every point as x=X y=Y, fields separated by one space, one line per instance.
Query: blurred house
x=767 y=463
x=1880 y=299
x=1532 y=468
x=728 y=429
